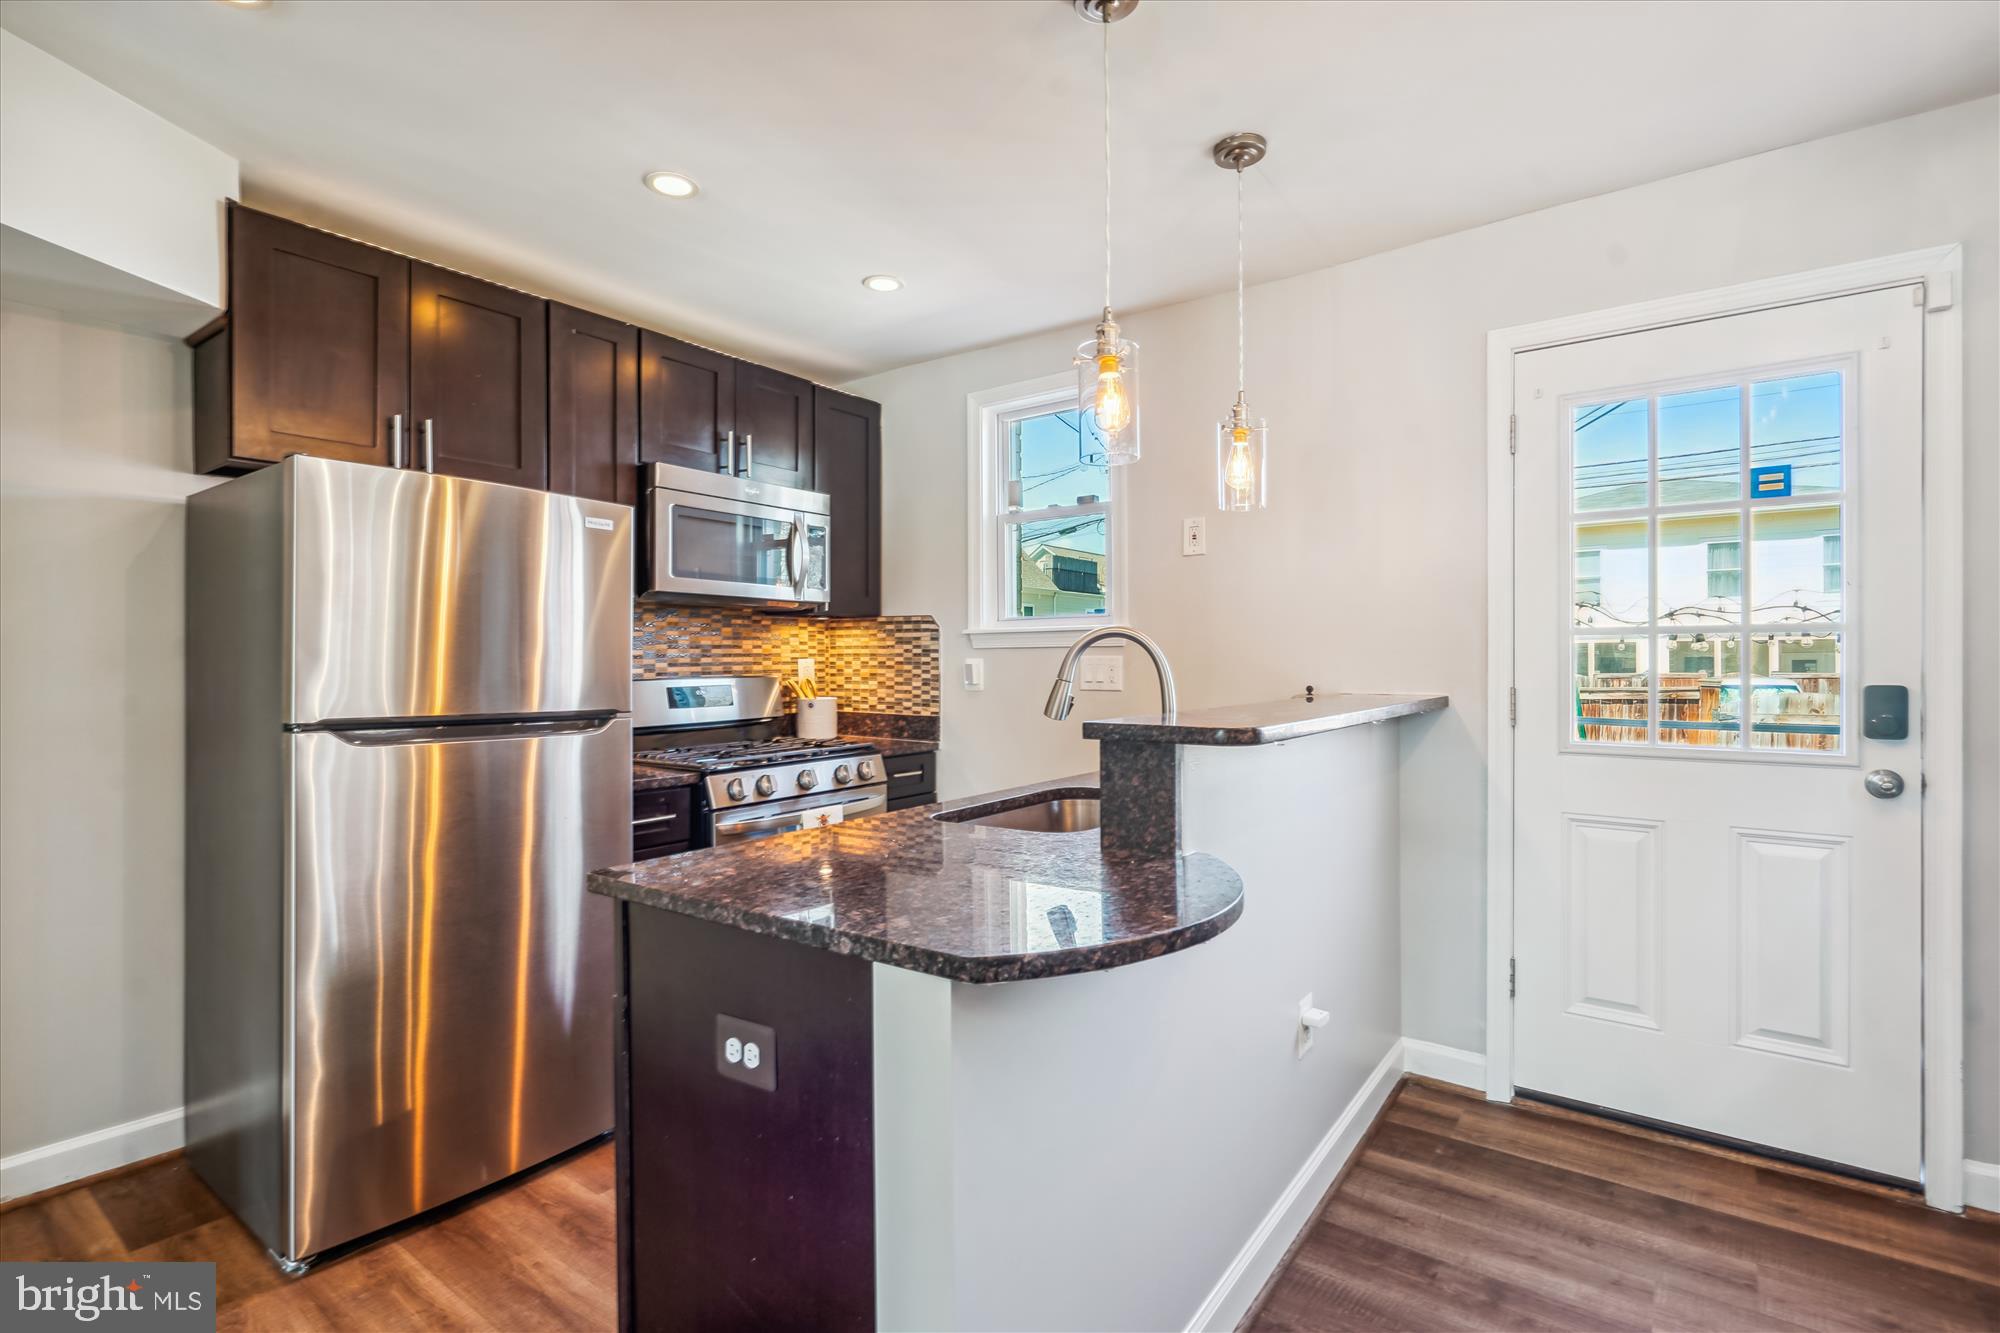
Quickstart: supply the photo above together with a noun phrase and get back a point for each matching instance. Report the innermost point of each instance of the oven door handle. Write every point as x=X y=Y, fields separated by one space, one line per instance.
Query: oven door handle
x=859 y=805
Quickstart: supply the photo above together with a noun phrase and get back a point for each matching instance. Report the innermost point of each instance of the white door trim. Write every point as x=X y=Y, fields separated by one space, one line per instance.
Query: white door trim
x=1943 y=693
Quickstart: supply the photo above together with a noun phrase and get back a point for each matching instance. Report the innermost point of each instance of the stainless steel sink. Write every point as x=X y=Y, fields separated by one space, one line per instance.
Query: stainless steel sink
x=1065 y=814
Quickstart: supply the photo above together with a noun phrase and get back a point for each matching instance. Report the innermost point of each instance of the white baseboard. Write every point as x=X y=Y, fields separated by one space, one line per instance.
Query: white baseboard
x=1448 y=1063
x=55 y=1164
x=1258 y=1259
x=1982 y=1185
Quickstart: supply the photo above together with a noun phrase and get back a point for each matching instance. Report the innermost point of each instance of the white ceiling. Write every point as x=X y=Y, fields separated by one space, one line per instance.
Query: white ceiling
x=957 y=144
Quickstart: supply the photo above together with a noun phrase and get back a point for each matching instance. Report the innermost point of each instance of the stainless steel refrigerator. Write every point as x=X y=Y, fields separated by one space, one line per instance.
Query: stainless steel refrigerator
x=408 y=739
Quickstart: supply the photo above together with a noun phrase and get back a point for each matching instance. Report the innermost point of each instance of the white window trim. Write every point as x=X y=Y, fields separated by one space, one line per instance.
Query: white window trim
x=985 y=483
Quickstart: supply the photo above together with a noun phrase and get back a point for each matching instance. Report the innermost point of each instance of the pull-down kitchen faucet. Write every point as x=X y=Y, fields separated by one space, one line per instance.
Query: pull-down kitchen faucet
x=1061 y=696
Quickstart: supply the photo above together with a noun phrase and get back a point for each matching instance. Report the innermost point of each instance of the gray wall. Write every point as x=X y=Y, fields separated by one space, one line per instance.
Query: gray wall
x=95 y=463
x=1370 y=570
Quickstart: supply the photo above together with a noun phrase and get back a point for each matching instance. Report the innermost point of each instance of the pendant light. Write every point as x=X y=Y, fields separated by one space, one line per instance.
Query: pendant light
x=1241 y=476
x=1107 y=363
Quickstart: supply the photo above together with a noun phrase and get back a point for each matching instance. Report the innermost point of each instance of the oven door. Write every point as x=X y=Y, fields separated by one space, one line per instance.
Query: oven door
x=803 y=812
x=707 y=548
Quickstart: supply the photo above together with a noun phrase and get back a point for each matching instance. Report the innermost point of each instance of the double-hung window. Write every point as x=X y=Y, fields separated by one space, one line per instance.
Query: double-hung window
x=1045 y=559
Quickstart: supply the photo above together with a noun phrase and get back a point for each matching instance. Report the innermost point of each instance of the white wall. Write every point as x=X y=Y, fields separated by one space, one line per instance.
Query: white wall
x=102 y=201
x=95 y=463
x=1369 y=572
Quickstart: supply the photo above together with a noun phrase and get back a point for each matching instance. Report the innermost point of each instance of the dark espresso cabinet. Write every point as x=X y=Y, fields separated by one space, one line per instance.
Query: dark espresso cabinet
x=847 y=465
x=774 y=426
x=339 y=349
x=314 y=357
x=593 y=406
x=478 y=379
x=687 y=403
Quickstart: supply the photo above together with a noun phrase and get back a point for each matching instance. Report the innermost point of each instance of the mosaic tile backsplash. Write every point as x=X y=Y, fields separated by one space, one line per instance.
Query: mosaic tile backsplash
x=886 y=665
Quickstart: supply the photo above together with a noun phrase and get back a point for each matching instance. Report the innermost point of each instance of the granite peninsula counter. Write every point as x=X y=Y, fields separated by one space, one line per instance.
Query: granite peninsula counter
x=857 y=1065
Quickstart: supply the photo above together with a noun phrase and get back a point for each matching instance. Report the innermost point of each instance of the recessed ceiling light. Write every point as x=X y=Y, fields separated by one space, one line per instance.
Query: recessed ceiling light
x=672 y=184
x=247 y=4
x=882 y=282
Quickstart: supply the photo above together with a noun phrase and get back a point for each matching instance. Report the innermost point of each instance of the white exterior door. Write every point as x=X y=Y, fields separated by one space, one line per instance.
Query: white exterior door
x=1718 y=543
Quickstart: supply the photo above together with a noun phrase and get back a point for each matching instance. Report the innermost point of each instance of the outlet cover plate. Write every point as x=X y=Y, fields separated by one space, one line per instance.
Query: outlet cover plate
x=746 y=1052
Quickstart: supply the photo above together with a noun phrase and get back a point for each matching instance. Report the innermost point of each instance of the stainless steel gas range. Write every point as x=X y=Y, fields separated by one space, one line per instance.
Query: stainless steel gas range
x=755 y=781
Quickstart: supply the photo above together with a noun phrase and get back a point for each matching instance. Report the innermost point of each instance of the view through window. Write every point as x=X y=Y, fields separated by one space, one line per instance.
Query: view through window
x=1056 y=516
x=1708 y=585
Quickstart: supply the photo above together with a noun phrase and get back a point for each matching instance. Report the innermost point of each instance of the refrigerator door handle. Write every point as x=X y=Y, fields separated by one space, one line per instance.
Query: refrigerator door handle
x=431 y=734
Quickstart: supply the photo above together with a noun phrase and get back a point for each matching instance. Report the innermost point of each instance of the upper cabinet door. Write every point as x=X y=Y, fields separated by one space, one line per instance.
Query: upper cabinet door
x=774 y=425
x=318 y=346
x=687 y=402
x=847 y=465
x=478 y=379
x=593 y=406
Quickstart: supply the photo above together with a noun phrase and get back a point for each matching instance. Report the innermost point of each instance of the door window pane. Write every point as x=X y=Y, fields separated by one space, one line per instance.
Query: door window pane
x=1788 y=565
x=1611 y=574
x=1608 y=450
x=1697 y=672
x=1701 y=445
x=1701 y=569
x=1795 y=692
x=1612 y=690
x=1797 y=421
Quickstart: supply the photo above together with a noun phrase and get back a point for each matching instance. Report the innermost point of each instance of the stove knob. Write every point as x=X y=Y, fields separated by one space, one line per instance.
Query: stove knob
x=867 y=770
x=765 y=786
x=808 y=779
x=841 y=777
x=734 y=790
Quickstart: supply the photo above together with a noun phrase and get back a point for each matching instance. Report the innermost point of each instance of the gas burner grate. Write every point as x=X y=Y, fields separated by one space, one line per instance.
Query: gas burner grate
x=728 y=755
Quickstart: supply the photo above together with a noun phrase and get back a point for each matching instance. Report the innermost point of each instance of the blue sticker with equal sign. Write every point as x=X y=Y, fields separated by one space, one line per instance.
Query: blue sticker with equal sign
x=1771 y=483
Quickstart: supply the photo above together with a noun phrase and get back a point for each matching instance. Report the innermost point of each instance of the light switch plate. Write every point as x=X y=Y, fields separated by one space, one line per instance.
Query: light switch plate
x=1101 y=671
x=973 y=675
x=1194 y=536
x=746 y=1052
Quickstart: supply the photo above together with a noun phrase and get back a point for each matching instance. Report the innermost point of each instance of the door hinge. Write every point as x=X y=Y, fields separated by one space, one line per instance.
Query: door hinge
x=1513 y=432
x=1513 y=977
x=1513 y=706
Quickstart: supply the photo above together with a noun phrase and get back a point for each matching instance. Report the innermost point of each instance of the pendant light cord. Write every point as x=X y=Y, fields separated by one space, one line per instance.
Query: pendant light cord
x=1107 y=163
x=1239 y=282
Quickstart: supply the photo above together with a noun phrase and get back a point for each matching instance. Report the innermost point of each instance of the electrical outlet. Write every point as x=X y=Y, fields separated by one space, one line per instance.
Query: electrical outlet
x=746 y=1052
x=1101 y=671
x=1194 y=536
x=806 y=668
x=1311 y=1020
x=973 y=673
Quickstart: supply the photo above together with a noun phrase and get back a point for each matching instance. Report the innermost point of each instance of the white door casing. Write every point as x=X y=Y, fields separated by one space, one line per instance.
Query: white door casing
x=1716 y=934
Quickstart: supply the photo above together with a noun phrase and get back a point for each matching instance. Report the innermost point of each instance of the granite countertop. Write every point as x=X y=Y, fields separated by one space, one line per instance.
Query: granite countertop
x=891 y=746
x=962 y=901
x=1265 y=723
x=645 y=777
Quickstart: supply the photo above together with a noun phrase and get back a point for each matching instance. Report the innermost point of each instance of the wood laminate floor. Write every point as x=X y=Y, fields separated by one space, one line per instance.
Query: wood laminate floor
x=1454 y=1215
x=1459 y=1214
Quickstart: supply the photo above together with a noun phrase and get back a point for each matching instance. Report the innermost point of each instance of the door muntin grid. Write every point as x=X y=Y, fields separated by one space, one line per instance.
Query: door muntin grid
x=1701 y=619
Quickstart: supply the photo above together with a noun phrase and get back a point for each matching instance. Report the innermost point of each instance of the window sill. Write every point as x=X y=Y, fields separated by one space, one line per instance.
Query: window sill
x=1038 y=636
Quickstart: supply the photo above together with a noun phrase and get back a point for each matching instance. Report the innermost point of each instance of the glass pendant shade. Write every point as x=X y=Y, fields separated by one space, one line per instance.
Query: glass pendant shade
x=1241 y=475
x=1107 y=391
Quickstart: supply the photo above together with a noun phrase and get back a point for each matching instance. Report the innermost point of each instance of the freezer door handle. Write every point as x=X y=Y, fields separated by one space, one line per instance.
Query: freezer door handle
x=473 y=731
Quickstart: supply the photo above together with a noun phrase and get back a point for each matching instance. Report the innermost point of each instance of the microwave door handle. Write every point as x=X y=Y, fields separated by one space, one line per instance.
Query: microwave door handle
x=798 y=557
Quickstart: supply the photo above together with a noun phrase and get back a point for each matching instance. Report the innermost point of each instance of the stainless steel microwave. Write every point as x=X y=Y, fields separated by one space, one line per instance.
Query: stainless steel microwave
x=727 y=540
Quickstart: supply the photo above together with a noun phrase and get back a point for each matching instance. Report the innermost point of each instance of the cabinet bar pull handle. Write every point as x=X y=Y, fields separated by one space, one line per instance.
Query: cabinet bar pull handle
x=430 y=446
x=908 y=773
x=749 y=458
x=656 y=819
x=396 y=440
x=729 y=453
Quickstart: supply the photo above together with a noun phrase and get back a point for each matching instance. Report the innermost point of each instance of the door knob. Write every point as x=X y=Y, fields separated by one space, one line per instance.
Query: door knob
x=1886 y=783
